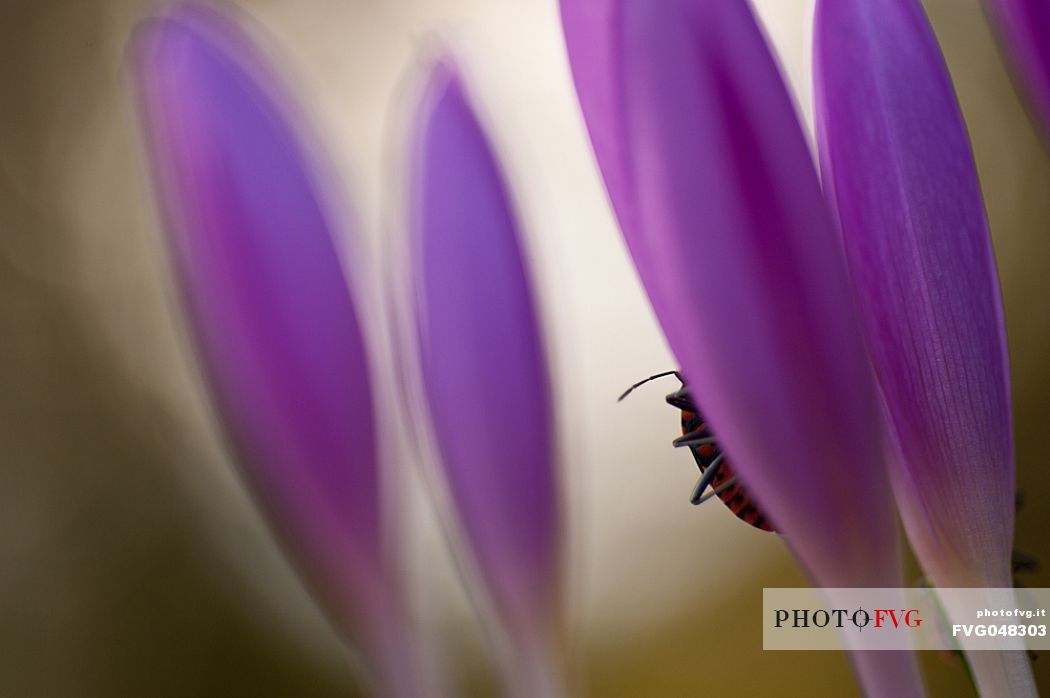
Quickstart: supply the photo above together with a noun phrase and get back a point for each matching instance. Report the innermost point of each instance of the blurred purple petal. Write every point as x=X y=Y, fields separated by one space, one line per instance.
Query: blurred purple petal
x=1024 y=31
x=275 y=326
x=900 y=173
x=733 y=241
x=482 y=359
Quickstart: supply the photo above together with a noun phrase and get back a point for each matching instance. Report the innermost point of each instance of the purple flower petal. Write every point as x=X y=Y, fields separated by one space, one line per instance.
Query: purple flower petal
x=900 y=173
x=722 y=210
x=275 y=326
x=482 y=359
x=1024 y=29
x=746 y=281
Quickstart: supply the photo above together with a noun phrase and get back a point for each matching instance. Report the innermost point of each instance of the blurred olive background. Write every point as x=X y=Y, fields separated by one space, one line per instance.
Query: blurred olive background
x=132 y=563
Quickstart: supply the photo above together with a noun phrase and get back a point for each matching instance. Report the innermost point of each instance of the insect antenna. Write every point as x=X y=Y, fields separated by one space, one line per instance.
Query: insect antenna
x=640 y=383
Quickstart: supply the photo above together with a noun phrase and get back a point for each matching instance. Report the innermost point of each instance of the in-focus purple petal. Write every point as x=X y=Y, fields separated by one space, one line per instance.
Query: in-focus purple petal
x=898 y=167
x=900 y=174
x=1024 y=31
x=482 y=358
x=275 y=325
x=733 y=241
x=748 y=281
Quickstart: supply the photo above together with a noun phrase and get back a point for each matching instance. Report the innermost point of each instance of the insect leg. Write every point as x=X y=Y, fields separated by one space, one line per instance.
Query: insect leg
x=721 y=488
x=693 y=439
x=707 y=478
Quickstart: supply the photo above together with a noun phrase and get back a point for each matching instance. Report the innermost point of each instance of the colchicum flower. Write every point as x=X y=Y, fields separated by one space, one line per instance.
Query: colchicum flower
x=485 y=378
x=276 y=328
x=900 y=175
x=1024 y=32
x=718 y=198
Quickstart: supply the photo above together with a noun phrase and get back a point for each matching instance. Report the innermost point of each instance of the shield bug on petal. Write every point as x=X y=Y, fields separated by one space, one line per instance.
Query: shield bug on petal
x=715 y=470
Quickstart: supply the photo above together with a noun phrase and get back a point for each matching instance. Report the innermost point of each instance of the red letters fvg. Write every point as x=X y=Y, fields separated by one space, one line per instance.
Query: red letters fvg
x=910 y=618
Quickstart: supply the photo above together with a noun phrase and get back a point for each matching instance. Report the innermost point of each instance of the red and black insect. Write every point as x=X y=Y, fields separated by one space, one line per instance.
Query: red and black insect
x=715 y=471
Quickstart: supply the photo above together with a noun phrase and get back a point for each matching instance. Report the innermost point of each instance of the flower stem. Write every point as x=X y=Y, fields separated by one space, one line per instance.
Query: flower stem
x=533 y=671
x=1005 y=674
